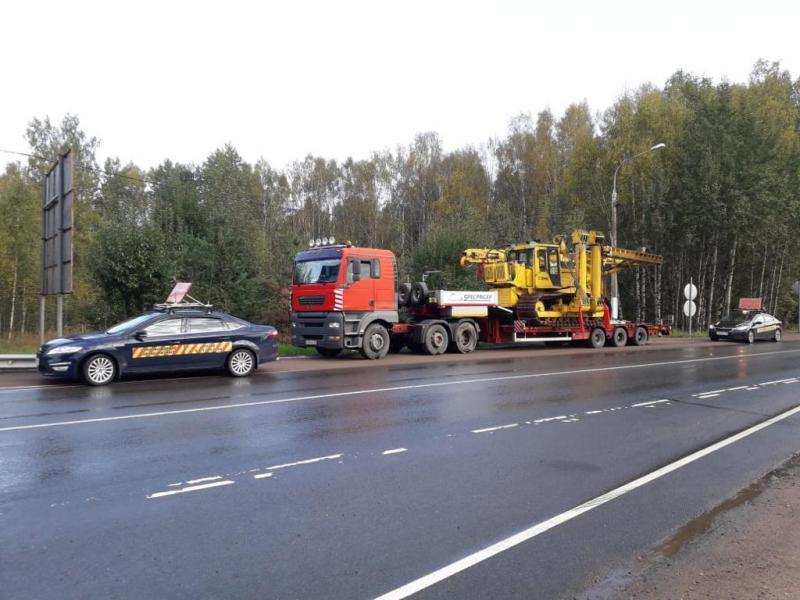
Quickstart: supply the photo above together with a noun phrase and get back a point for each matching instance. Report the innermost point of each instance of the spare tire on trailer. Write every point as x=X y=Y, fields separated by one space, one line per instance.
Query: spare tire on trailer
x=641 y=335
x=419 y=293
x=403 y=294
x=597 y=338
x=465 y=338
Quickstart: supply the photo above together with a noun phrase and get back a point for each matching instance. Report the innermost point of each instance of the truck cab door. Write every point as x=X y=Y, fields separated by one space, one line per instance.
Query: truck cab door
x=359 y=290
x=382 y=271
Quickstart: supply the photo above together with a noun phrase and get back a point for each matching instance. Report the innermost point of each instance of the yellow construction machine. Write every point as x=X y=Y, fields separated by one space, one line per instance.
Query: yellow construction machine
x=554 y=281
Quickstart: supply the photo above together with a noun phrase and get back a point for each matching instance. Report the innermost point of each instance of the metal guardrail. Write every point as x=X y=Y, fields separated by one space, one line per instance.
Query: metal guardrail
x=17 y=361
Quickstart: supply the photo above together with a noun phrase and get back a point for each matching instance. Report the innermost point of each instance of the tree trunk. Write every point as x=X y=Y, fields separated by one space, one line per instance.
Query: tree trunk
x=763 y=269
x=13 y=297
x=731 y=267
x=710 y=314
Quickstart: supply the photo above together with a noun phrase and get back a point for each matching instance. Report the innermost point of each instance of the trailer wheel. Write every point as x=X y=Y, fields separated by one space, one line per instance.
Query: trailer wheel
x=597 y=339
x=465 y=338
x=436 y=339
x=640 y=337
x=619 y=338
x=375 y=343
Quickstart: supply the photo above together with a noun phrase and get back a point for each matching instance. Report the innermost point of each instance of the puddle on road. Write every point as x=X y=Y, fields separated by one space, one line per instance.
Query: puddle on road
x=703 y=523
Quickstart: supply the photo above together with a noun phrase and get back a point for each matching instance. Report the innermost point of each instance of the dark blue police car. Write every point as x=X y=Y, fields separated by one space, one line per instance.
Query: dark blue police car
x=169 y=338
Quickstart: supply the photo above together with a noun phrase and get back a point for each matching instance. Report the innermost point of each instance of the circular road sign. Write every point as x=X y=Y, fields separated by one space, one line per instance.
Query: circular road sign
x=689 y=308
x=690 y=291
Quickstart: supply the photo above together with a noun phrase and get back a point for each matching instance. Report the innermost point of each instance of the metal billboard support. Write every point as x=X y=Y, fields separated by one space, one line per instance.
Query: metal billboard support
x=58 y=199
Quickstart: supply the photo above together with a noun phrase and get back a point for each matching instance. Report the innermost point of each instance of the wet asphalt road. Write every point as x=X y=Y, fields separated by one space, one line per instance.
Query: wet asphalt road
x=190 y=487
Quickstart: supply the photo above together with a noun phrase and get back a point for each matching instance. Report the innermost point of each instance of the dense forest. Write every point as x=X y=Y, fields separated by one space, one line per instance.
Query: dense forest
x=720 y=203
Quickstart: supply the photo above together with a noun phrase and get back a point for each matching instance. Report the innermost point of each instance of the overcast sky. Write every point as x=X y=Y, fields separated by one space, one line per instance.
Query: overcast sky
x=279 y=80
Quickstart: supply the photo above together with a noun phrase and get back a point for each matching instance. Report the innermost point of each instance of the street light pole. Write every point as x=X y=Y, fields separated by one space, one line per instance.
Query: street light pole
x=614 y=203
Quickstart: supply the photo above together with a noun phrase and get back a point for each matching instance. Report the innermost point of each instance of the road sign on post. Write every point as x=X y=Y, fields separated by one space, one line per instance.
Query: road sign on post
x=58 y=199
x=689 y=307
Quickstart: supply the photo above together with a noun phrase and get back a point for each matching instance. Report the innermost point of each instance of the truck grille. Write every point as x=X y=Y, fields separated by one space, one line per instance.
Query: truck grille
x=311 y=299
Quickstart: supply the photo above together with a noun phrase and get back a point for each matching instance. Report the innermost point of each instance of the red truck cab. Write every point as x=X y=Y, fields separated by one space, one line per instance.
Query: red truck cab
x=337 y=292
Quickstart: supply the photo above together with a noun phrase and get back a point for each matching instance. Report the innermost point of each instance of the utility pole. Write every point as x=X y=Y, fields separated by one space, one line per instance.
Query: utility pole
x=614 y=203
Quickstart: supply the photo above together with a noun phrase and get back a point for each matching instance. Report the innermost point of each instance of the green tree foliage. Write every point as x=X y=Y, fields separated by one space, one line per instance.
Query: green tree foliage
x=720 y=203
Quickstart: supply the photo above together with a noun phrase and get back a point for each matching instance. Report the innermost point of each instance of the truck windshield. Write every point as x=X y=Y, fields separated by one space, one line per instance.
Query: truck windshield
x=316 y=271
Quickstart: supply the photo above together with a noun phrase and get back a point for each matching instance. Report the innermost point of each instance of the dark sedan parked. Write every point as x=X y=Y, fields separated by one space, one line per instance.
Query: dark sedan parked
x=165 y=339
x=746 y=328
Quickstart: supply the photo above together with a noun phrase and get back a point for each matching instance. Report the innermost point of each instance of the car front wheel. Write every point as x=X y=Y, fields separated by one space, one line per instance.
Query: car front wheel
x=241 y=363
x=99 y=369
x=776 y=337
x=751 y=336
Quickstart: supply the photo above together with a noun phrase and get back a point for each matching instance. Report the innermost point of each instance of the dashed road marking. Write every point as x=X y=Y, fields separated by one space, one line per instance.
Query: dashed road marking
x=394 y=451
x=307 y=461
x=520 y=537
x=497 y=428
x=191 y=488
x=435 y=384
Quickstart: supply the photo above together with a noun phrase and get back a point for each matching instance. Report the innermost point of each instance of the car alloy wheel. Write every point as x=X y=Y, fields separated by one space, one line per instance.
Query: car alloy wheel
x=751 y=337
x=241 y=363
x=100 y=370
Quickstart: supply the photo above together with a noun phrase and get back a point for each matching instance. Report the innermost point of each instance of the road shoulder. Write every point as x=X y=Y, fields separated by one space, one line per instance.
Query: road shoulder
x=747 y=547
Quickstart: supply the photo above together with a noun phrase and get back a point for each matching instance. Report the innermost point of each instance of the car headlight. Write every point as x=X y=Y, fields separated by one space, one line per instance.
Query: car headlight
x=334 y=325
x=741 y=328
x=712 y=326
x=63 y=350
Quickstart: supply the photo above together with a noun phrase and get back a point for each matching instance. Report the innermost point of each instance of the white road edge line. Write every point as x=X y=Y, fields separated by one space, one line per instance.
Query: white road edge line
x=391 y=389
x=192 y=488
x=262 y=475
x=202 y=479
x=540 y=528
x=394 y=451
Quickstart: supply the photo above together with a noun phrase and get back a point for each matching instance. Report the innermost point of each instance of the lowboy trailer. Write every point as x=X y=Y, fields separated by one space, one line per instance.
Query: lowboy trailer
x=347 y=297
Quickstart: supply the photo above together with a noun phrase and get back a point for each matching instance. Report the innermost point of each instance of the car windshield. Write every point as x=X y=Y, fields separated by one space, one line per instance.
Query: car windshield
x=129 y=324
x=316 y=271
x=733 y=319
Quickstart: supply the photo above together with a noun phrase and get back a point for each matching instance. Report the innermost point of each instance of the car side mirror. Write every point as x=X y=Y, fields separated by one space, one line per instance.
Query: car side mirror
x=140 y=335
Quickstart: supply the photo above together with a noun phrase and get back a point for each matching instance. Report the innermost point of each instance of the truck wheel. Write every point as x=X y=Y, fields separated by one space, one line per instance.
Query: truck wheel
x=376 y=342
x=403 y=294
x=597 y=339
x=419 y=293
x=436 y=339
x=465 y=338
x=640 y=337
x=329 y=352
x=619 y=338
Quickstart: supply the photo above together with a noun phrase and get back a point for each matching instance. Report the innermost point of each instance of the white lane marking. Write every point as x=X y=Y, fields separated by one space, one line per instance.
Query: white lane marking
x=709 y=395
x=774 y=382
x=652 y=402
x=308 y=461
x=594 y=412
x=550 y=419
x=191 y=488
x=262 y=475
x=202 y=479
x=709 y=392
x=394 y=451
x=539 y=528
x=739 y=387
x=397 y=388
x=488 y=429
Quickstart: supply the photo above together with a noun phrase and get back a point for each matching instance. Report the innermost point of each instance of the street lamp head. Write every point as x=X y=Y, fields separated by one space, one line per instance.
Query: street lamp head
x=659 y=146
